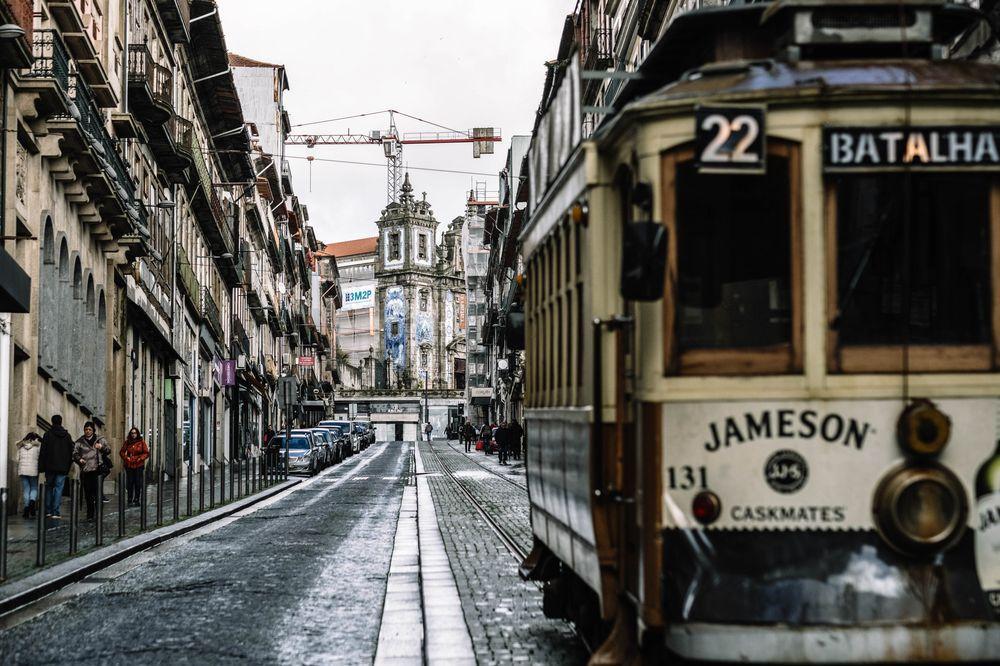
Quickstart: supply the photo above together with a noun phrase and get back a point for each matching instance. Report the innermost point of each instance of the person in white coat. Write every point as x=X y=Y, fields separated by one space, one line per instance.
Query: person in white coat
x=27 y=468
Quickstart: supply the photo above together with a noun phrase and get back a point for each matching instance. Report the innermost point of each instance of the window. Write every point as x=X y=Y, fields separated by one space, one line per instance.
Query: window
x=422 y=246
x=423 y=300
x=394 y=246
x=940 y=297
x=394 y=328
x=735 y=309
x=423 y=359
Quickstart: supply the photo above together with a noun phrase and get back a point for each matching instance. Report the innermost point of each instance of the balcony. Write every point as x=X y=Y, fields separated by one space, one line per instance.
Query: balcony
x=82 y=28
x=210 y=314
x=212 y=219
x=176 y=16
x=48 y=77
x=187 y=280
x=240 y=335
x=16 y=52
x=599 y=52
x=97 y=161
x=171 y=144
x=150 y=87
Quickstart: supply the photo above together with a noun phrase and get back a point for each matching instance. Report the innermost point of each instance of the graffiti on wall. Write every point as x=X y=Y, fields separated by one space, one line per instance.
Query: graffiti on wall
x=394 y=318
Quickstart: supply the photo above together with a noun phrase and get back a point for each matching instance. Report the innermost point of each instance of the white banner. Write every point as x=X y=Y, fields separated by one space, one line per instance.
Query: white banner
x=803 y=464
x=359 y=296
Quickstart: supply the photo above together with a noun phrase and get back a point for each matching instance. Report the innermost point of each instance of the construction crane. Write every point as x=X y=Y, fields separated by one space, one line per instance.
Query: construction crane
x=392 y=142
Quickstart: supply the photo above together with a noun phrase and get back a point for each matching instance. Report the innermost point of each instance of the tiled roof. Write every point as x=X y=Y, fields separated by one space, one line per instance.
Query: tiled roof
x=236 y=60
x=350 y=248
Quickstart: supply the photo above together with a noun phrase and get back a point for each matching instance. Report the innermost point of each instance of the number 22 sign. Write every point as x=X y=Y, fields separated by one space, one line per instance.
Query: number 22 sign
x=730 y=139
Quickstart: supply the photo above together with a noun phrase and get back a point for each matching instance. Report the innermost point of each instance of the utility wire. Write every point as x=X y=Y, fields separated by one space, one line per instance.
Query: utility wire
x=382 y=165
x=450 y=129
x=331 y=120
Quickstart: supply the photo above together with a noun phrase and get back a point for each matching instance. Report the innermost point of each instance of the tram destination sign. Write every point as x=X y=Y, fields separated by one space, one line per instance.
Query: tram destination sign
x=896 y=148
x=730 y=139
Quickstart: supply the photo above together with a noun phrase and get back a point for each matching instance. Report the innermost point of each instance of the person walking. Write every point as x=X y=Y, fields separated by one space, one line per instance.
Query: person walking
x=27 y=468
x=516 y=433
x=55 y=457
x=134 y=453
x=468 y=434
x=87 y=453
x=428 y=428
x=485 y=434
x=503 y=442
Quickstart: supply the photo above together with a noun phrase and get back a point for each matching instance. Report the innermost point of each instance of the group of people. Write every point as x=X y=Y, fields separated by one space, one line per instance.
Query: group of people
x=54 y=455
x=505 y=437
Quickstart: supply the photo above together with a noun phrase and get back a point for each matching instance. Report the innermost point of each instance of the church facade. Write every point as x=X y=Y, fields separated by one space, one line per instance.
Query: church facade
x=421 y=296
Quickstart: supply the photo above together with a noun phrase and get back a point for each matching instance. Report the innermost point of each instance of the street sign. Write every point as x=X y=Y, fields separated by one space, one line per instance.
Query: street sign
x=287 y=392
x=307 y=361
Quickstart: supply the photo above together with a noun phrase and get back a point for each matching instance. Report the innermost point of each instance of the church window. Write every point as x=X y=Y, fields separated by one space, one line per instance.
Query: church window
x=394 y=246
x=422 y=246
x=394 y=328
x=423 y=300
x=423 y=359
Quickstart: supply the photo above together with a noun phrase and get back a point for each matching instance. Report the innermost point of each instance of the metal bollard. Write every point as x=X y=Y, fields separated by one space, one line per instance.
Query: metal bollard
x=121 y=504
x=211 y=483
x=40 y=532
x=176 y=492
x=201 y=486
x=253 y=476
x=99 y=500
x=159 y=495
x=3 y=533
x=232 y=477
x=222 y=482
x=74 y=516
x=190 y=489
x=143 y=515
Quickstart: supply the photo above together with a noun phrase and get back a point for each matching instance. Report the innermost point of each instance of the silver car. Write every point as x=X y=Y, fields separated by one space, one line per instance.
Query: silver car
x=303 y=455
x=327 y=443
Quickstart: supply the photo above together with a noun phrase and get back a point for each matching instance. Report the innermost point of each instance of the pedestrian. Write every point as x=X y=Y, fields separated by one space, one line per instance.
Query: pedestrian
x=88 y=454
x=516 y=433
x=134 y=453
x=469 y=434
x=27 y=468
x=485 y=433
x=428 y=428
x=503 y=443
x=55 y=457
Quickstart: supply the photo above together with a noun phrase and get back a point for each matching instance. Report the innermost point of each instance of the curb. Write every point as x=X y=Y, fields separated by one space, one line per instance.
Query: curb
x=21 y=592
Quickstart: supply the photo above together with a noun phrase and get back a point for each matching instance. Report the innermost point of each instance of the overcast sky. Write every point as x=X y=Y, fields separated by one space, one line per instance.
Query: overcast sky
x=459 y=63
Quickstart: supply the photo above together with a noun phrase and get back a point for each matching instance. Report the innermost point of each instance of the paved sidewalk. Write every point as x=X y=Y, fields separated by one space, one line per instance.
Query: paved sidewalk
x=503 y=613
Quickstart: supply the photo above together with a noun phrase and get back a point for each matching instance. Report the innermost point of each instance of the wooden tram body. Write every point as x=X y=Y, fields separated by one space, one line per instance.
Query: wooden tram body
x=773 y=382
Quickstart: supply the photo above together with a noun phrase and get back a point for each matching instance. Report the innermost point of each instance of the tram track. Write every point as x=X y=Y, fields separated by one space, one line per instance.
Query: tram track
x=491 y=471
x=505 y=537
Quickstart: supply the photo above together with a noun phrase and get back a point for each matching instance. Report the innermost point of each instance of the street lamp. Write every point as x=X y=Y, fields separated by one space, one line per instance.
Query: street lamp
x=371 y=365
x=427 y=414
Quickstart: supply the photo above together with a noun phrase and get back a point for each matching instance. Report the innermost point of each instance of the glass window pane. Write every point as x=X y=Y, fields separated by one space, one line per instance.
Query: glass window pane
x=734 y=258
x=949 y=277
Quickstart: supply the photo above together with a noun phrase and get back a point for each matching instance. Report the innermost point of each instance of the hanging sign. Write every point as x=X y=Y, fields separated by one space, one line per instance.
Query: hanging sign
x=895 y=148
x=307 y=361
x=228 y=373
x=730 y=139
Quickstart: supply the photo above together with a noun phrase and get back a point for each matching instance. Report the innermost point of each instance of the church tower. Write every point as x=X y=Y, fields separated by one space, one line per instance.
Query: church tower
x=405 y=271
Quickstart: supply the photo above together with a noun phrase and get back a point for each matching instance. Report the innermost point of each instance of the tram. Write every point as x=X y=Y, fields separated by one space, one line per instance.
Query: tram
x=762 y=314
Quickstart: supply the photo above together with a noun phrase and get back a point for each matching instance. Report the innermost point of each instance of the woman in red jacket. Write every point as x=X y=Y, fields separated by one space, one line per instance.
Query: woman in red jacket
x=134 y=454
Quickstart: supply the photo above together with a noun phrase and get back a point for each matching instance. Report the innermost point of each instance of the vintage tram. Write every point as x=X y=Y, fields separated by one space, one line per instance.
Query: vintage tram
x=762 y=314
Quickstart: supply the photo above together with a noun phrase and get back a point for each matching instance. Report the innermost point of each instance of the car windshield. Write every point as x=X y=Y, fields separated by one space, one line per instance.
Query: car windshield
x=334 y=430
x=294 y=444
x=336 y=424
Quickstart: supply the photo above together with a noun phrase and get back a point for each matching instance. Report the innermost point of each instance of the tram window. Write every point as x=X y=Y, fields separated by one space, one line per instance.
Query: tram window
x=734 y=258
x=948 y=280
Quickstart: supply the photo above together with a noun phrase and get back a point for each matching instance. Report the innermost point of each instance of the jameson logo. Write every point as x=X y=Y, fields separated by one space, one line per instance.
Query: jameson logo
x=888 y=147
x=989 y=518
x=774 y=424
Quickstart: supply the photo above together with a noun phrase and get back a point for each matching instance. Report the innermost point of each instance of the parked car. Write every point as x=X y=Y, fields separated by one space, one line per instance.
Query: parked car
x=369 y=431
x=324 y=444
x=341 y=442
x=302 y=454
x=358 y=428
x=346 y=427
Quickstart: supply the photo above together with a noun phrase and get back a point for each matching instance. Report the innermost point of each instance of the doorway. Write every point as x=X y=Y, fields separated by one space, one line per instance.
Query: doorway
x=399 y=432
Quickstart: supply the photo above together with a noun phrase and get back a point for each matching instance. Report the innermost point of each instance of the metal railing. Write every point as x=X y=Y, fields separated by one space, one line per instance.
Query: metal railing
x=210 y=311
x=143 y=70
x=28 y=546
x=51 y=59
x=182 y=130
x=208 y=191
x=188 y=278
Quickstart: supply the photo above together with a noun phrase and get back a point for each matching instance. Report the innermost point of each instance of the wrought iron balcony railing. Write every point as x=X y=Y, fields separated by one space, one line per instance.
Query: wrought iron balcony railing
x=151 y=82
x=210 y=312
x=51 y=59
x=188 y=281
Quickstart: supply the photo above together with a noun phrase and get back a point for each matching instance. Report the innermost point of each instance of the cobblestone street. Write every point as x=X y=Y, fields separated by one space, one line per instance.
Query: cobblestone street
x=303 y=578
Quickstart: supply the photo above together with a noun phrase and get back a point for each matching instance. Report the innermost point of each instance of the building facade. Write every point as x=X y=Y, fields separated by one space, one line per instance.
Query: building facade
x=163 y=250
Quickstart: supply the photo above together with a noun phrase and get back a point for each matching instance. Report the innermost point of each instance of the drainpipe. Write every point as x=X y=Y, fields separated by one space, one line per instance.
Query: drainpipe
x=5 y=374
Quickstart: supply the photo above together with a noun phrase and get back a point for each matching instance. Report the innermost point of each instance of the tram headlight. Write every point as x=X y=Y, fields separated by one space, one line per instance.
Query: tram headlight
x=923 y=429
x=706 y=507
x=920 y=510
